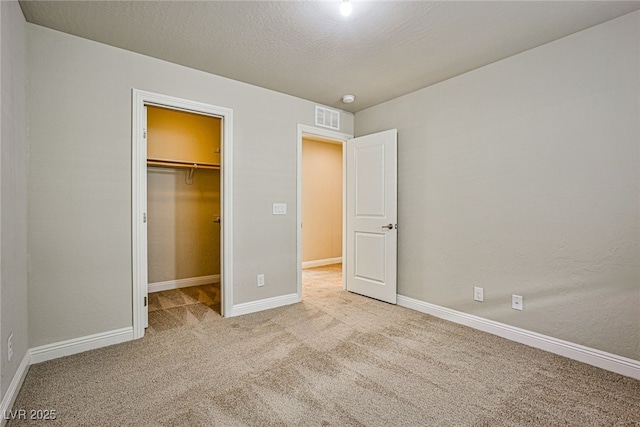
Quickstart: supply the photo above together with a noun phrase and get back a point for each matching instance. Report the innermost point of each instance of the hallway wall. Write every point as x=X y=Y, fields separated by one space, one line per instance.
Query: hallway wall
x=321 y=200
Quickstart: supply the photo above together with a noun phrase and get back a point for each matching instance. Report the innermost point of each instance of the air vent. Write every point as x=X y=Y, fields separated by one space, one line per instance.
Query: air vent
x=327 y=118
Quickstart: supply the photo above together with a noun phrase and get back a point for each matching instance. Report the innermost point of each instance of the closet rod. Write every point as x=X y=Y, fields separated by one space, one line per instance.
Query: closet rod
x=178 y=164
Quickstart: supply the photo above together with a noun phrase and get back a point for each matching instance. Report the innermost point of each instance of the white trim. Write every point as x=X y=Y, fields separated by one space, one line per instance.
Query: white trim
x=183 y=283
x=591 y=356
x=321 y=262
x=342 y=138
x=79 y=345
x=138 y=209
x=55 y=351
x=138 y=169
x=265 y=304
x=14 y=387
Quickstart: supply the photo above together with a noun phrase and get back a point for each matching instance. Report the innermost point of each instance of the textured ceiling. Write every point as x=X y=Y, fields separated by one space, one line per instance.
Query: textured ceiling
x=307 y=49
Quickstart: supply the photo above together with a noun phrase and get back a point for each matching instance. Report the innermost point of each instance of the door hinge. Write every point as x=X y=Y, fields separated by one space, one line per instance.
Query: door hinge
x=144 y=133
x=145 y=301
x=144 y=217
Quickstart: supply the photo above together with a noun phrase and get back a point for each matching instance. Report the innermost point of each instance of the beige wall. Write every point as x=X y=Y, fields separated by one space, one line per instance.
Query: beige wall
x=523 y=177
x=80 y=180
x=321 y=200
x=182 y=136
x=183 y=240
x=13 y=199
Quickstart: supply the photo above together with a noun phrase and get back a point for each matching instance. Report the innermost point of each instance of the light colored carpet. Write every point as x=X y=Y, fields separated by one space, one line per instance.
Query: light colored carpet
x=185 y=306
x=335 y=359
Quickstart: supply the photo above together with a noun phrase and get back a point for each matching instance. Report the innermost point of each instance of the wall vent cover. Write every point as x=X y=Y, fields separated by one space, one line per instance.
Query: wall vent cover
x=327 y=118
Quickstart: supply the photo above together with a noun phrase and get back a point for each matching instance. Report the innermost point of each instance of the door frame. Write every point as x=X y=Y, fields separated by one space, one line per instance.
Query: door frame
x=140 y=99
x=341 y=138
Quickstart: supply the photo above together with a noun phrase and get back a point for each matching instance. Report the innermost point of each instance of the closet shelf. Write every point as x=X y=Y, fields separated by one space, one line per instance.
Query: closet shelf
x=179 y=164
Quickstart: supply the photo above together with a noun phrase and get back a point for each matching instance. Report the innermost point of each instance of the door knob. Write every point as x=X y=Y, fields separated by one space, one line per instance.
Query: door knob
x=388 y=227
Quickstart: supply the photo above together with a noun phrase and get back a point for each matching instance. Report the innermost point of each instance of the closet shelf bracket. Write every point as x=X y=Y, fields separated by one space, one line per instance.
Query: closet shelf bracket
x=190 y=174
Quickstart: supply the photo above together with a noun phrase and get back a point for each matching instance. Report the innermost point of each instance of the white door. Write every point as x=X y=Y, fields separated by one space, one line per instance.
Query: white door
x=372 y=213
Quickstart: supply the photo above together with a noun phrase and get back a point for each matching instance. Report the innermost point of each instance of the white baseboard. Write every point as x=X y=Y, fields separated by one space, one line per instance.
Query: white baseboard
x=14 y=387
x=54 y=351
x=591 y=356
x=183 y=283
x=264 y=304
x=321 y=262
x=78 y=345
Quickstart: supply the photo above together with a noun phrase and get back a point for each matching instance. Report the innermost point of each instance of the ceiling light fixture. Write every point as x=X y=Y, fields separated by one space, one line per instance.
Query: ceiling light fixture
x=348 y=99
x=345 y=8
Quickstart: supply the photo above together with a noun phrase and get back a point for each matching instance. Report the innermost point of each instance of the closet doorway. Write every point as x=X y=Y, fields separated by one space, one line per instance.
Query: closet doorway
x=321 y=207
x=183 y=216
x=181 y=206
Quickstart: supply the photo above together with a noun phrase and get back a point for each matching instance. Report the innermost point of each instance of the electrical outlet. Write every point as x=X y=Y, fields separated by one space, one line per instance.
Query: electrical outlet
x=260 y=279
x=10 y=348
x=517 y=302
x=478 y=294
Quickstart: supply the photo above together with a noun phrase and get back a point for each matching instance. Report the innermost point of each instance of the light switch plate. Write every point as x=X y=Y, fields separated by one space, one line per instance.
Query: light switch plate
x=478 y=293
x=279 y=208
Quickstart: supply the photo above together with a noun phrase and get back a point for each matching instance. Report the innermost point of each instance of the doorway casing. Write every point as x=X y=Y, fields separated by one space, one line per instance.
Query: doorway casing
x=139 y=198
x=305 y=130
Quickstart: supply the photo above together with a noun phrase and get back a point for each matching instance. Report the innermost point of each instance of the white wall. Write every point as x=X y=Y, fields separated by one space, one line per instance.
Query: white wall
x=523 y=177
x=80 y=180
x=13 y=194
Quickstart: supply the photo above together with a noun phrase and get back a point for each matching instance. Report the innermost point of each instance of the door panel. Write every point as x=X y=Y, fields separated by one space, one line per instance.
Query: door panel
x=372 y=216
x=370 y=185
x=369 y=257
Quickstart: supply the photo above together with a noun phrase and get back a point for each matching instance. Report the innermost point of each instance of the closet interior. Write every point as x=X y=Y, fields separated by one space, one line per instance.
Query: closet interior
x=183 y=215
